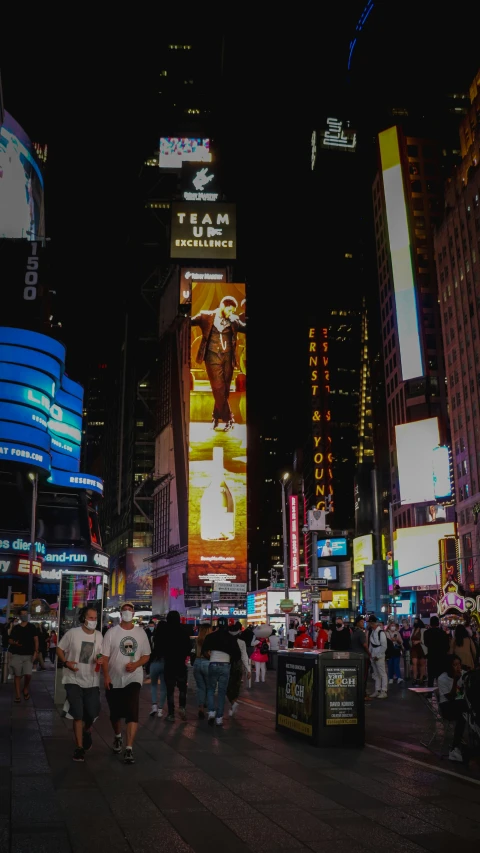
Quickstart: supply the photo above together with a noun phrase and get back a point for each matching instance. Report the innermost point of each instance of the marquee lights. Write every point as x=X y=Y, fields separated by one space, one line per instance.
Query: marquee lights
x=318 y=362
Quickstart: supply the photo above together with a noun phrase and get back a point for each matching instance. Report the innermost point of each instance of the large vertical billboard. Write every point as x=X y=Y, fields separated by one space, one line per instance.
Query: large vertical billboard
x=319 y=374
x=406 y=307
x=217 y=526
x=294 y=542
x=21 y=184
x=423 y=464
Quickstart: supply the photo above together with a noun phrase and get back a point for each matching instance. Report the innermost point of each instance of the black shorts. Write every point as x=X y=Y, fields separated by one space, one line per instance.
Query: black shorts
x=123 y=702
x=84 y=702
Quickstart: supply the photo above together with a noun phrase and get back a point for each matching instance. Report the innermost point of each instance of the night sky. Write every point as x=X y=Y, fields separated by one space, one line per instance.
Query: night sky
x=88 y=89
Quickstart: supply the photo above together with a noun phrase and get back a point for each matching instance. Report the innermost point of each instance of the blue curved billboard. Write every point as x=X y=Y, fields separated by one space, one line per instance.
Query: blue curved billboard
x=41 y=409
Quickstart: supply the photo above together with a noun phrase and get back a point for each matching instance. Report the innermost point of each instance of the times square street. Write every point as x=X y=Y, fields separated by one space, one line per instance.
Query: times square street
x=245 y=787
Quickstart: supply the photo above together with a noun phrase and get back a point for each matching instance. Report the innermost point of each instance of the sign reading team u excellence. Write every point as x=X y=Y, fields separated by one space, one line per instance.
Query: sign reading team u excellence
x=217 y=518
x=203 y=230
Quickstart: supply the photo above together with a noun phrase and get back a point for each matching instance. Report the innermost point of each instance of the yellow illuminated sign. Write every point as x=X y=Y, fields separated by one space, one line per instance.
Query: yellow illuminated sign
x=319 y=367
x=362 y=552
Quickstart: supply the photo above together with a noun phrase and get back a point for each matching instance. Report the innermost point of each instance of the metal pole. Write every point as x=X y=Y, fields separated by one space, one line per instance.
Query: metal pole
x=9 y=603
x=392 y=551
x=285 y=552
x=33 y=531
x=315 y=571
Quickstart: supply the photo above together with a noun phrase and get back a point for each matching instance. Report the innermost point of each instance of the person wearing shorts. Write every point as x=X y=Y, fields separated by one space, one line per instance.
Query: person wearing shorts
x=79 y=651
x=126 y=650
x=23 y=648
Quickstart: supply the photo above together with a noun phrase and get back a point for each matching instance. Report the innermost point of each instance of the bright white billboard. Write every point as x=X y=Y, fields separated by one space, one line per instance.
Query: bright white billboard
x=176 y=150
x=417 y=554
x=423 y=466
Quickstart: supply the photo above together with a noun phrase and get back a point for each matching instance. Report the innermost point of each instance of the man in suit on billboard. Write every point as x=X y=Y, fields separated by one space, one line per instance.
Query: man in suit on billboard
x=218 y=349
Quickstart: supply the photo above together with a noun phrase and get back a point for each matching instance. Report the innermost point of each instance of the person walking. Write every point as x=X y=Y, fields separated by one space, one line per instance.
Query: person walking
x=463 y=646
x=360 y=647
x=200 y=669
x=52 y=645
x=157 y=669
x=260 y=658
x=125 y=652
x=79 y=651
x=437 y=645
x=42 y=646
x=340 y=638
x=224 y=650
x=377 y=647
x=237 y=669
x=393 y=634
x=177 y=648
x=417 y=652
x=23 y=648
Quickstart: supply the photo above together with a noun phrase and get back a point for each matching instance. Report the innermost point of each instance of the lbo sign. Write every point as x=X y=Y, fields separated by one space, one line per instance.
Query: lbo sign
x=319 y=371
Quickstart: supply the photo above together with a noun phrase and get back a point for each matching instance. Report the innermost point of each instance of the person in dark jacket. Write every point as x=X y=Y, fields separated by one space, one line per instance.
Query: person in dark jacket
x=176 y=651
x=224 y=650
x=438 y=645
x=341 y=639
x=157 y=668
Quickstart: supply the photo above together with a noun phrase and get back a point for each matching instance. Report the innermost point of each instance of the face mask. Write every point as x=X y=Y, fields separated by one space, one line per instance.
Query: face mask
x=91 y=624
x=127 y=615
x=25 y=617
x=339 y=625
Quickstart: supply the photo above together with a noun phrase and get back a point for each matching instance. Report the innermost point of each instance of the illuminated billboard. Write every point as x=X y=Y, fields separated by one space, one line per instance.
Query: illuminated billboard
x=423 y=466
x=334 y=547
x=362 y=552
x=294 y=542
x=41 y=409
x=338 y=136
x=21 y=185
x=406 y=307
x=203 y=230
x=319 y=377
x=328 y=573
x=418 y=554
x=190 y=274
x=138 y=584
x=217 y=526
x=176 y=150
x=200 y=183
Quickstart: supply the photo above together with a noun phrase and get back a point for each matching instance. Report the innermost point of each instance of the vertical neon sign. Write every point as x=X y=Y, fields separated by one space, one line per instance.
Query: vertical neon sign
x=318 y=362
x=294 y=544
x=401 y=256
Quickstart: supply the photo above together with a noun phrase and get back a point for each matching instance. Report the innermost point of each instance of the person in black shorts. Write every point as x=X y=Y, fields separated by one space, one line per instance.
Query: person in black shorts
x=125 y=652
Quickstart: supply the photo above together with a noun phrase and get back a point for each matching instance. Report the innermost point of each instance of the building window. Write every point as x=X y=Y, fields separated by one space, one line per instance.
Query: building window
x=161 y=519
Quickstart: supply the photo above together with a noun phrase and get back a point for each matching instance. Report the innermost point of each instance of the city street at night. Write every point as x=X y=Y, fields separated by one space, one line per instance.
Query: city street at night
x=245 y=788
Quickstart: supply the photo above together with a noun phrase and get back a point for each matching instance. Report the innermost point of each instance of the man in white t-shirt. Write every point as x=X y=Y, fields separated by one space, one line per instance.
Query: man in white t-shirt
x=126 y=650
x=377 y=646
x=451 y=702
x=80 y=650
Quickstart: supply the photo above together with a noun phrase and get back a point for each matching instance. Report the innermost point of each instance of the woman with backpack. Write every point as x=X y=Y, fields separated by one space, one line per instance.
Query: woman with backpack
x=260 y=657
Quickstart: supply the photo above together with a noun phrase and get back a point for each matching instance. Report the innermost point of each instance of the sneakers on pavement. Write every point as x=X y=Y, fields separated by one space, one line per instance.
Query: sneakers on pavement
x=374 y=695
x=153 y=711
x=455 y=754
x=128 y=756
x=211 y=718
x=219 y=721
x=382 y=696
x=87 y=741
x=159 y=713
x=79 y=754
x=170 y=718
x=117 y=743
x=183 y=713
x=400 y=681
x=233 y=709
x=390 y=680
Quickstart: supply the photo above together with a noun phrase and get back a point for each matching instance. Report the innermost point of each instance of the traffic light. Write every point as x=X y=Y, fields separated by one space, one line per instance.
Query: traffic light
x=396 y=591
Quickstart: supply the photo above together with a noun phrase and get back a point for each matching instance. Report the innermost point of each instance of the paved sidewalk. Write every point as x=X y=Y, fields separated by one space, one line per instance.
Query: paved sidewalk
x=244 y=788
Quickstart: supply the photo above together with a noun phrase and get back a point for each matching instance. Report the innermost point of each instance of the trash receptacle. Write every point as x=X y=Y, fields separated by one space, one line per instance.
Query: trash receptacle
x=320 y=696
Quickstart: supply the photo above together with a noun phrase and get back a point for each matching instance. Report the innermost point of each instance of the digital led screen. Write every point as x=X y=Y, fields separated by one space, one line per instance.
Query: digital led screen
x=338 y=601
x=77 y=481
x=417 y=554
x=423 y=466
x=188 y=275
x=401 y=256
x=335 y=547
x=362 y=552
x=199 y=183
x=328 y=573
x=217 y=526
x=21 y=184
x=436 y=512
x=176 y=150
x=338 y=136
x=203 y=230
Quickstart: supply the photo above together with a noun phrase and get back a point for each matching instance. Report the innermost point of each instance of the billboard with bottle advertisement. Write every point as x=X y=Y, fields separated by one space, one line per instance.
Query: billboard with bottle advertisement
x=217 y=527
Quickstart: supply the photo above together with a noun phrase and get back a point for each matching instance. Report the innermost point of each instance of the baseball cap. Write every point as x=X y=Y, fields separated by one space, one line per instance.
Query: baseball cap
x=128 y=604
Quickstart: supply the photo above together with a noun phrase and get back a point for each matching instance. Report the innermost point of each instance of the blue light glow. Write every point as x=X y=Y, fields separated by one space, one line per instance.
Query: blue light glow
x=360 y=25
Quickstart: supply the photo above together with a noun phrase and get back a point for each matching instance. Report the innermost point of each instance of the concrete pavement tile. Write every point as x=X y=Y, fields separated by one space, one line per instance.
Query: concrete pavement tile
x=214 y=796
x=156 y=835
x=5 y=795
x=437 y=842
x=120 y=804
x=4 y=832
x=106 y=834
x=262 y=834
x=89 y=802
x=204 y=833
x=45 y=840
x=461 y=807
x=302 y=824
x=24 y=763
x=346 y=796
x=397 y=820
x=460 y=826
x=171 y=795
x=33 y=800
x=375 y=835
x=252 y=791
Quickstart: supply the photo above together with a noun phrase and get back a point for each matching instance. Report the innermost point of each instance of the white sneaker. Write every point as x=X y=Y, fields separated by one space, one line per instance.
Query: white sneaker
x=153 y=711
x=219 y=721
x=160 y=713
x=233 y=709
x=374 y=695
x=400 y=681
x=390 y=680
x=382 y=696
x=455 y=754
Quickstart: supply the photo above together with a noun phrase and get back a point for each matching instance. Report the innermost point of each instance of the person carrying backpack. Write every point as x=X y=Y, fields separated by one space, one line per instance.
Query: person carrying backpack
x=260 y=658
x=378 y=649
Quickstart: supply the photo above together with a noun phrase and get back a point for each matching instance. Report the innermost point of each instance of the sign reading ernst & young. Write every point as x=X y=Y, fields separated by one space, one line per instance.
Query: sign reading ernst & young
x=203 y=230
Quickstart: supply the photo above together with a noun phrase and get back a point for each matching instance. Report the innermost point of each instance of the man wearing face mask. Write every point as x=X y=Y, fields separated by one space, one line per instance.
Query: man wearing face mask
x=126 y=650
x=341 y=639
x=79 y=651
x=23 y=648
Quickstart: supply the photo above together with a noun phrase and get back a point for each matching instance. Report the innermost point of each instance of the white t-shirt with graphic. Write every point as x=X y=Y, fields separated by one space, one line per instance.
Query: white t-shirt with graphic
x=122 y=647
x=82 y=648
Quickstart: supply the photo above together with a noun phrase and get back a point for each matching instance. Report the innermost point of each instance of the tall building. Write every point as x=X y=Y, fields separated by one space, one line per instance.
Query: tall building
x=457 y=251
x=95 y=412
